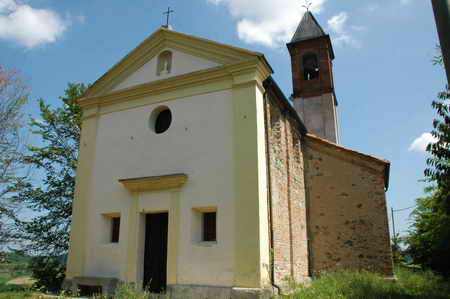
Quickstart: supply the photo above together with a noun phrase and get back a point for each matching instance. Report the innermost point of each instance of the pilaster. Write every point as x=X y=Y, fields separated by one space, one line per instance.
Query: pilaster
x=252 y=244
x=173 y=237
x=84 y=181
x=132 y=237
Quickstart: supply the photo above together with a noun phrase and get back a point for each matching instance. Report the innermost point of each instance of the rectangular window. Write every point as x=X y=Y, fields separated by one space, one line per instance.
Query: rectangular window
x=115 y=229
x=209 y=226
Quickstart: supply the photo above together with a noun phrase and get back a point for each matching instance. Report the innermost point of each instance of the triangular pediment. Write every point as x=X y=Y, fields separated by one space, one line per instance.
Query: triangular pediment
x=189 y=55
x=181 y=63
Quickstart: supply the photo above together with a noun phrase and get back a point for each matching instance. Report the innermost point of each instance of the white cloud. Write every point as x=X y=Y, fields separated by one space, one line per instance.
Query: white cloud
x=29 y=27
x=421 y=143
x=338 y=22
x=268 y=22
x=341 y=32
x=372 y=7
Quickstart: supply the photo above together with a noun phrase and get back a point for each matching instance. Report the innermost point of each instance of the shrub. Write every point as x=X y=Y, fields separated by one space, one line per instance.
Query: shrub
x=423 y=284
x=48 y=272
x=130 y=291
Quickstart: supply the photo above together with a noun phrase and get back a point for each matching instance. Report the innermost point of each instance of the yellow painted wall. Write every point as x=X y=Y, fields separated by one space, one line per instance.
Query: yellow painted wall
x=216 y=138
x=198 y=143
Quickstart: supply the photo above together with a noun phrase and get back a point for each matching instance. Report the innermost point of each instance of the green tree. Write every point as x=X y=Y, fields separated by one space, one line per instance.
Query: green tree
x=438 y=170
x=13 y=95
x=398 y=253
x=429 y=238
x=50 y=196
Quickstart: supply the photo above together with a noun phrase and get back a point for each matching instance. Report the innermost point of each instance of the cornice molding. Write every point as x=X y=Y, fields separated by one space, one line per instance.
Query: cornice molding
x=155 y=183
x=111 y=214
x=207 y=49
x=253 y=70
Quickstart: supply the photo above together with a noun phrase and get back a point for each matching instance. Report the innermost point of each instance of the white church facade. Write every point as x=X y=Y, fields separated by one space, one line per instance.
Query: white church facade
x=197 y=177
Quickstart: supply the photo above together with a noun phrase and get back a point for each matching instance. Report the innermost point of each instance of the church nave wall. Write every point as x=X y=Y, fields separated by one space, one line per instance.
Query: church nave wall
x=286 y=196
x=198 y=143
x=347 y=210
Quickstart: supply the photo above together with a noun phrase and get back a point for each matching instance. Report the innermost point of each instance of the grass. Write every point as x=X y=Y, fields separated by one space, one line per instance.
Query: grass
x=350 y=285
x=10 y=272
x=13 y=292
x=341 y=285
x=17 y=295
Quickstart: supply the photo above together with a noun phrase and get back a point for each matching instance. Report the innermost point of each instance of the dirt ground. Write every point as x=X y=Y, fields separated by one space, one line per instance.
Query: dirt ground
x=21 y=281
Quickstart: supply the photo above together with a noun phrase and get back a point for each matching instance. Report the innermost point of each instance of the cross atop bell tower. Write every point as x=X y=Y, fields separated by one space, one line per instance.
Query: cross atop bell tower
x=313 y=94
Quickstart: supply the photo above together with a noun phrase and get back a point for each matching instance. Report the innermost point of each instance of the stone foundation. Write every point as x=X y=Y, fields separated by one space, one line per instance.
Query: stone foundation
x=107 y=284
x=211 y=292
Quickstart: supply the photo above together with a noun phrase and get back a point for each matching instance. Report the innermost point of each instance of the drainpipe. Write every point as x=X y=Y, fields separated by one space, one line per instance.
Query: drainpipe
x=269 y=195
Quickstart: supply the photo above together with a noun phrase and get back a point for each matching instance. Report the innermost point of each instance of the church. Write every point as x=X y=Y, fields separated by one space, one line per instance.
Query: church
x=199 y=178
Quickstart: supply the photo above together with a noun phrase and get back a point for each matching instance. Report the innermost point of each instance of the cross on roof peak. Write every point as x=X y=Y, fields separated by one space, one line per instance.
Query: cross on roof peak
x=168 y=12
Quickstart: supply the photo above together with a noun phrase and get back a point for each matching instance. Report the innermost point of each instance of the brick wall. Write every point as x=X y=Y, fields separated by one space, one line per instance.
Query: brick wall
x=286 y=195
x=319 y=190
x=324 y=84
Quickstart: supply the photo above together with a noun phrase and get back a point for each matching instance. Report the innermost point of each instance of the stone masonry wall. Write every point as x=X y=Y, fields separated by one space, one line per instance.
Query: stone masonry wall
x=347 y=210
x=286 y=195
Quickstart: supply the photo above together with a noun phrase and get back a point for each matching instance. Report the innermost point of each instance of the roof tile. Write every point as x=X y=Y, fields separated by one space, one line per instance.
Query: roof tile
x=308 y=28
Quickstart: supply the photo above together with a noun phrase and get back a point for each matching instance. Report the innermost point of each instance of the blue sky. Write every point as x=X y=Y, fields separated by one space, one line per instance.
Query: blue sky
x=384 y=77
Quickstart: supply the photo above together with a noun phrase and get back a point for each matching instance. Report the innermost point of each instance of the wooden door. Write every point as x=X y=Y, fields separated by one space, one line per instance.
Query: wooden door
x=155 y=256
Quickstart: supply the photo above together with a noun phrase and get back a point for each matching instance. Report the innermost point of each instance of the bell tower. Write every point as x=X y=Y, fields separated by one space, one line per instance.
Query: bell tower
x=312 y=78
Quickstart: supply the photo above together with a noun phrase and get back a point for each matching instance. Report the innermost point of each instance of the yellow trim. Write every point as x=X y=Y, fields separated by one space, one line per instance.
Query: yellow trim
x=200 y=89
x=239 y=73
x=220 y=47
x=155 y=183
x=76 y=262
x=173 y=237
x=117 y=79
x=111 y=215
x=133 y=241
x=162 y=38
x=251 y=233
x=205 y=209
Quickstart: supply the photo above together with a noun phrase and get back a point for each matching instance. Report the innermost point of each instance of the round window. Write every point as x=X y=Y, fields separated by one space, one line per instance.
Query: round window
x=161 y=119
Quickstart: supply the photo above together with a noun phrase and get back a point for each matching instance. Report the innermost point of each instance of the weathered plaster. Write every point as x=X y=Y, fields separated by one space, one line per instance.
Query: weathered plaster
x=319 y=115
